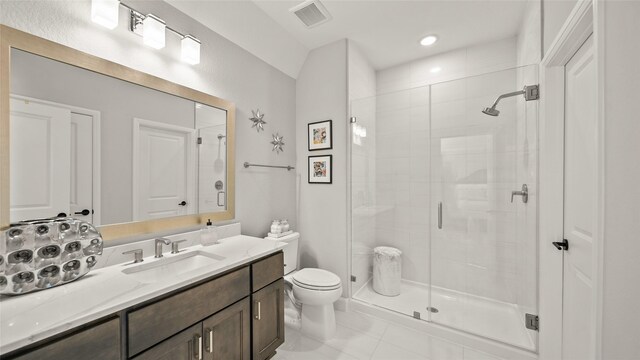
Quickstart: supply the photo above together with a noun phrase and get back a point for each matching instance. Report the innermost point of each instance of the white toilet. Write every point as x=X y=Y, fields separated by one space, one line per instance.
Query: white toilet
x=315 y=289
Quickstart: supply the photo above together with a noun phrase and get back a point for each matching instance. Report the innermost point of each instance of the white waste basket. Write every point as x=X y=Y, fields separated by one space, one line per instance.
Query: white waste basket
x=387 y=270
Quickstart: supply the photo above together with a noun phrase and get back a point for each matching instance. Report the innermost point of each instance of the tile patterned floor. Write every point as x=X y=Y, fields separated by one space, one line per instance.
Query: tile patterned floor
x=361 y=336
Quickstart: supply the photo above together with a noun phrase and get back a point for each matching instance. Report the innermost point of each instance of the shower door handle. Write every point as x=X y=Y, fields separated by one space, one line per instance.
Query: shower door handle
x=440 y=215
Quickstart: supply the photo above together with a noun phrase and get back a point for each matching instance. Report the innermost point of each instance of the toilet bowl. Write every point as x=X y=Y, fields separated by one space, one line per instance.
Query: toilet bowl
x=315 y=289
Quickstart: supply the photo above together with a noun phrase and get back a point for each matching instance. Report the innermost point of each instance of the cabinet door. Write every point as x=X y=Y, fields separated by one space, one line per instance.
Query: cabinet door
x=186 y=345
x=227 y=334
x=268 y=320
x=100 y=342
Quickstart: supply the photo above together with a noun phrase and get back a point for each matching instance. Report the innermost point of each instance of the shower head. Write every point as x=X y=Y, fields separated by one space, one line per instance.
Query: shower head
x=530 y=93
x=492 y=111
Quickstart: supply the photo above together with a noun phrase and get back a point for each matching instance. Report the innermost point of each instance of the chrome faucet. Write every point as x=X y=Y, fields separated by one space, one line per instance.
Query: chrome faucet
x=159 y=242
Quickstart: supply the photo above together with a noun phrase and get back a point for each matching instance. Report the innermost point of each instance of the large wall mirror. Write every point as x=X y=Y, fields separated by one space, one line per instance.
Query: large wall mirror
x=95 y=140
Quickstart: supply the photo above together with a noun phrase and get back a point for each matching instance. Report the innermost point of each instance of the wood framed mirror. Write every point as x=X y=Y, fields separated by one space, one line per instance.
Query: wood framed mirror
x=89 y=138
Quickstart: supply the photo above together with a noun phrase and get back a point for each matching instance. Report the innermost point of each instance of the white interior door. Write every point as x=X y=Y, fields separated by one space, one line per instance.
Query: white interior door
x=580 y=201
x=39 y=160
x=81 y=167
x=164 y=170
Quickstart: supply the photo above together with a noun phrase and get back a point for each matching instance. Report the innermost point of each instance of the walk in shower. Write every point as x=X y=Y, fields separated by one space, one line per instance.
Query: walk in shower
x=454 y=189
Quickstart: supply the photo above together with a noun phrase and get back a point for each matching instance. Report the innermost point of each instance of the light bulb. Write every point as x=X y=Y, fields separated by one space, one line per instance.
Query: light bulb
x=190 y=50
x=153 y=31
x=105 y=12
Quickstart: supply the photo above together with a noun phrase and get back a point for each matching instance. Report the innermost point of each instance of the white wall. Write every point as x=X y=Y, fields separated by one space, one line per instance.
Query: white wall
x=529 y=39
x=226 y=71
x=321 y=92
x=621 y=55
x=554 y=14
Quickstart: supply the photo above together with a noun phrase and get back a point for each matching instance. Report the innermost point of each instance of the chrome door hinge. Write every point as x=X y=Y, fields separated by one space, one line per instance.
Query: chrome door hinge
x=532 y=322
x=353 y=119
x=199 y=140
x=353 y=278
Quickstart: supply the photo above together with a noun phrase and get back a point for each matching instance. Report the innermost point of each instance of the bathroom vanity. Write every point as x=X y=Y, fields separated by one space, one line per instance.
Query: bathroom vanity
x=230 y=309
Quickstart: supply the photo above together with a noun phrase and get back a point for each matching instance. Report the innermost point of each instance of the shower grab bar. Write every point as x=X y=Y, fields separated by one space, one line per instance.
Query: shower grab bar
x=440 y=215
x=288 y=167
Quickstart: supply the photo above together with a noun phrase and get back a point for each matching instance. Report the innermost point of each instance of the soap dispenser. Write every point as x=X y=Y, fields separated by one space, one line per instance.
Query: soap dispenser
x=208 y=235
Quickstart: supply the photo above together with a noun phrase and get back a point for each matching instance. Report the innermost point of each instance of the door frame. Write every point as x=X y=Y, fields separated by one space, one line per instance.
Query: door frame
x=95 y=114
x=191 y=152
x=581 y=23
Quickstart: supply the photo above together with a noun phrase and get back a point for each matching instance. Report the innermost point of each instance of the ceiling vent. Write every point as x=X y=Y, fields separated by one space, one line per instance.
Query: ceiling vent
x=312 y=13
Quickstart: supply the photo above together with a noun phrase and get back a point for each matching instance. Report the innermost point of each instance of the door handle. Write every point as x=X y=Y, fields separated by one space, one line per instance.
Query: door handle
x=208 y=346
x=182 y=203
x=561 y=245
x=440 y=215
x=197 y=347
x=84 y=212
x=524 y=192
x=258 y=315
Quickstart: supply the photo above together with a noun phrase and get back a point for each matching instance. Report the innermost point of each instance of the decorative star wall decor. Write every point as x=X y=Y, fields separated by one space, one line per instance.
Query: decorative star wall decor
x=278 y=143
x=258 y=123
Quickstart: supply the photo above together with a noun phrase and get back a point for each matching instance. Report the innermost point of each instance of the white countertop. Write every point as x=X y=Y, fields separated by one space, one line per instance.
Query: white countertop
x=26 y=319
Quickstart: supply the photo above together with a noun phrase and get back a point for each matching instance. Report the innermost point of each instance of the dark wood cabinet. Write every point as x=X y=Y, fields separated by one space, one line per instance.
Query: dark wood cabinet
x=227 y=334
x=162 y=319
x=98 y=342
x=268 y=320
x=186 y=345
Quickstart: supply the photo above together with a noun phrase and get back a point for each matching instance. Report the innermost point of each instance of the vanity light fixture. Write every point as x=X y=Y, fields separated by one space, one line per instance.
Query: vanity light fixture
x=153 y=31
x=428 y=40
x=150 y=27
x=105 y=12
x=190 y=50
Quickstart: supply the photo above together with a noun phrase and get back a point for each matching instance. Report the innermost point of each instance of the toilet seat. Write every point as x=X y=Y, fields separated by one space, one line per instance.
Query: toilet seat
x=316 y=279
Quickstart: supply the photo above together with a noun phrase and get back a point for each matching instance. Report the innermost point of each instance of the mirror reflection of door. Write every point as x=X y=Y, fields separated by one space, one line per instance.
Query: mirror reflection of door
x=51 y=161
x=164 y=164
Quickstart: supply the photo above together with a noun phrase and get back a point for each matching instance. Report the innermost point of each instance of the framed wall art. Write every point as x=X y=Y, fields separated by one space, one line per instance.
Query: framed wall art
x=320 y=169
x=320 y=135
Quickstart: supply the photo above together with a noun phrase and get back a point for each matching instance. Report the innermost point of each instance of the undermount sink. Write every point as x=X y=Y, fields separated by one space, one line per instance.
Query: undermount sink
x=172 y=265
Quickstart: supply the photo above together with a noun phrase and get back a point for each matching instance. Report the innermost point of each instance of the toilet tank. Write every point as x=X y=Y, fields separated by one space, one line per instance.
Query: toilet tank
x=290 y=251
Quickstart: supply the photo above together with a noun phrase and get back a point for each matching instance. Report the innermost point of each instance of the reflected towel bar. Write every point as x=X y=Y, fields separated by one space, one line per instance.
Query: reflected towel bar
x=246 y=165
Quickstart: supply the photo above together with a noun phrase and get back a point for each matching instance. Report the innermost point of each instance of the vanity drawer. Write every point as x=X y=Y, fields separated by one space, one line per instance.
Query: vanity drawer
x=100 y=342
x=266 y=271
x=155 y=322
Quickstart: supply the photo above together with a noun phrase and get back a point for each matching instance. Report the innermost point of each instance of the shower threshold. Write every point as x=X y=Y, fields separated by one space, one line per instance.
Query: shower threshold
x=488 y=318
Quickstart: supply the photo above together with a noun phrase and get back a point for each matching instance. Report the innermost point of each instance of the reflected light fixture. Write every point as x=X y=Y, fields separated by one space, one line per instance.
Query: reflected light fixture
x=105 y=12
x=428 y=40
x=153 y=31
x=190 y=50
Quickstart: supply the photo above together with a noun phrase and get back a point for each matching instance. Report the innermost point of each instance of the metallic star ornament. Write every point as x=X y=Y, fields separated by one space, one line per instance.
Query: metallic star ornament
x=278 y=143
x=258 y=123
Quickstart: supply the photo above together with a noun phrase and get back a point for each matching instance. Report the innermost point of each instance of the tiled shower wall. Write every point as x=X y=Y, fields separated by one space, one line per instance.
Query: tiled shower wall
x=403 y=144
x=485 y=250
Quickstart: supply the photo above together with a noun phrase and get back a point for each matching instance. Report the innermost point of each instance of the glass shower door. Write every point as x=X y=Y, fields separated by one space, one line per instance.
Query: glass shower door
x=483 y=244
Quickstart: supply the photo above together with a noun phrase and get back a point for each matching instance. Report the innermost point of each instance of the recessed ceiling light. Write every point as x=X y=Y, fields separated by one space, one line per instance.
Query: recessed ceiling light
x=428 y=40
x=435 y=69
